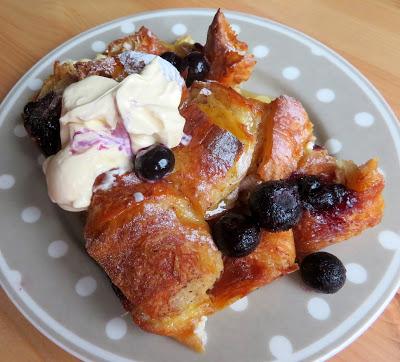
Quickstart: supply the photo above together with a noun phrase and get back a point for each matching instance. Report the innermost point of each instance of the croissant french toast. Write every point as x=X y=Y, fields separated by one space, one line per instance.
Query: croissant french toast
x=155 y=237
x=287 y=136
x=229 y=62
x=164 y=275
x=318 y=229
x=222 y=128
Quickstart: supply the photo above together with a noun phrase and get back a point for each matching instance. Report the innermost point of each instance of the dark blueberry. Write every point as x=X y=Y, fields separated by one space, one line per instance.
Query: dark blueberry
x=154 y=162
x=236 y=235
x=174 y=59
x=323 y=271
x=197 y=67
x=276 y=205
x=320 y=195
x=42 y=122
x=308 y=184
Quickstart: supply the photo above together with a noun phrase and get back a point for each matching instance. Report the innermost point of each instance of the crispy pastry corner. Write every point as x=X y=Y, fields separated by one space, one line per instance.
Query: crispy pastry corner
x=229 y=62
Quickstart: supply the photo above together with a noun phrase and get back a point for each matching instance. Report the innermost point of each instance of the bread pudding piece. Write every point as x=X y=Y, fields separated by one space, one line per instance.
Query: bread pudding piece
x=221 y=130
x=318 y=229
x=283 y=138
x=274 y=257
x=163 y=275
x=217 y=149
x=143 y=41
x=63 y=75
x=284 y=152
x=230 y=64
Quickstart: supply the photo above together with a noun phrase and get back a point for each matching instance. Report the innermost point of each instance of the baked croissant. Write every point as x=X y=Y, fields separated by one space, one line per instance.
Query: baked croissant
x=158 y=252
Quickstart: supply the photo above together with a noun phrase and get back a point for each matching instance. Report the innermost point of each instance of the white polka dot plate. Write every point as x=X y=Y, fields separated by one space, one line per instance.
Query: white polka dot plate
x=50 y=278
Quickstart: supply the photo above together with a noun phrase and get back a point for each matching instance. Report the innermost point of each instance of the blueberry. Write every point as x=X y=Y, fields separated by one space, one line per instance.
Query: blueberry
x=327 y=197
x=154 y=163
x=198 y=67
x=42 y=122
x=236 y=235
x=319 y=195
x=323 y=272
x=308 y=184
x=276 y=205
x=175 y=60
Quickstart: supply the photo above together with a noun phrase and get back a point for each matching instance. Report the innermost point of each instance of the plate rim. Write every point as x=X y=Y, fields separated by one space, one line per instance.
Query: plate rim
x=6 y=103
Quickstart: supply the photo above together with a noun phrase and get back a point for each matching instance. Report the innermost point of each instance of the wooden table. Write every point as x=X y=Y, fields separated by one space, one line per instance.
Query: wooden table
x=366 y=32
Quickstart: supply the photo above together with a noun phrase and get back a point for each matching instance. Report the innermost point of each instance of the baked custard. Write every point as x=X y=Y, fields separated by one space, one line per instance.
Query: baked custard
x=196 y=192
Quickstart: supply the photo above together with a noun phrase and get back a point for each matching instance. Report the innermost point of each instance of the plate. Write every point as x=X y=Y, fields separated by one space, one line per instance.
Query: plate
x=47 y=274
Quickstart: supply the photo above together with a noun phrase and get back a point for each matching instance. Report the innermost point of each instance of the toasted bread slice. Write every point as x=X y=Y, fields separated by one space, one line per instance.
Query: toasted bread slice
x=163 y=275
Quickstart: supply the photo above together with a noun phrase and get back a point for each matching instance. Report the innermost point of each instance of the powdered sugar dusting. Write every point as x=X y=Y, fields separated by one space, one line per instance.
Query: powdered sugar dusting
x=130 y=179
x=290 y=107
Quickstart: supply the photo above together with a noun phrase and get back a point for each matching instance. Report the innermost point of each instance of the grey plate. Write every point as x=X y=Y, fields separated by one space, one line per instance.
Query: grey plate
x=49 y=277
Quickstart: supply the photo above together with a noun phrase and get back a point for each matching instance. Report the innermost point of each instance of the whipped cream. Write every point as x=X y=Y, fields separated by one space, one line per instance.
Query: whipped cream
x=146 y=103
x=104 y=122
x=70 y=177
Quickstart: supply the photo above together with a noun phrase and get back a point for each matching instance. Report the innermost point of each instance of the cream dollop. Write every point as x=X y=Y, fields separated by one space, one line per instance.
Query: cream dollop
x=147 y=104
x=70 y=178
x=104 y=122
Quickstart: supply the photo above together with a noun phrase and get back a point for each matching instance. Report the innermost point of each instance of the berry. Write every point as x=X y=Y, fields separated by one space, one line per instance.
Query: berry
x=236 y=235
x=276 y=205
x=174 y=59
x=154 y=163
x=197 y=67
x=319 y=195
x=327 y=197
x=323 y=272
x=307 y=184
x=42 y=122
